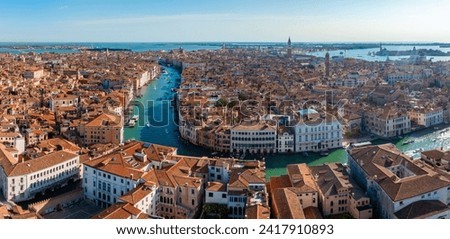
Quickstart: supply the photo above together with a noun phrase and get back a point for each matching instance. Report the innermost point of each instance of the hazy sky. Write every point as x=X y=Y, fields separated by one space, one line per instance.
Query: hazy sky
x=224 y=20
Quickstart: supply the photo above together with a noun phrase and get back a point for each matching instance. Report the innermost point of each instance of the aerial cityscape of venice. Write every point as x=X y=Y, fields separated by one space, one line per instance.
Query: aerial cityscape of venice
x=225 y=109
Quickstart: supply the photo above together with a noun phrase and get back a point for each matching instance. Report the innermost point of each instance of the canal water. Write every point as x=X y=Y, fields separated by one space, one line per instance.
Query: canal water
x=163 y=129
x=160 y=114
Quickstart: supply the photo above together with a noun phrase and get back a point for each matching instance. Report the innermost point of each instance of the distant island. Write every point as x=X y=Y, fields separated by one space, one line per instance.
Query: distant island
x=420 y=52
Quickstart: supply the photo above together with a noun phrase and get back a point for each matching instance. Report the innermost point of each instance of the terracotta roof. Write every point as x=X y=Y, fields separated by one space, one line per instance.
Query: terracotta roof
x=312 y=213
x=217 y=187
x=331 y=178
x=375 y=161
x=435 y=154
x=116 y=164
x=105 y=120
x=286 y=205
x=422 y=209
x=301 y=177
x=121 y=162
x=257 y=212
x=118 y=211
x=36 y=164
x=54 y=142
x=137 y=194
x=242 y=177
x=279 y=182
x=159 y=177
x=255 y=127
x=158 y=152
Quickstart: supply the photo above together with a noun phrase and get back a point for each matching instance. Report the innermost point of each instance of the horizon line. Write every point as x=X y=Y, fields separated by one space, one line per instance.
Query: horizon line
x=222 y=42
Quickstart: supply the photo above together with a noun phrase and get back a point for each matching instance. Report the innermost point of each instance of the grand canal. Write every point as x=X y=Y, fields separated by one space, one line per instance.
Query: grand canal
x=159 y=113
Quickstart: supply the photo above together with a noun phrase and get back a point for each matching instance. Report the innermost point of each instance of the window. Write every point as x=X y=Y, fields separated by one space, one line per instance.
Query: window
x=224 y=195
x=210 y=195
x=192 y=191
x=193 y=202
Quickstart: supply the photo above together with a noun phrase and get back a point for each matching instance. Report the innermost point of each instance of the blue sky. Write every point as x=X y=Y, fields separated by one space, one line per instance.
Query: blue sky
x=230 y=20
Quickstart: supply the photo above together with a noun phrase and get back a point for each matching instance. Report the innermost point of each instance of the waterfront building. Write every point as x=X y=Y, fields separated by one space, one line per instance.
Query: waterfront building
x=396 y=184
x=285 y=139
x=22 y=180
x=427 y=116
x=387 y=122
x=253 y=138
x=314 y=133
x=437 y=158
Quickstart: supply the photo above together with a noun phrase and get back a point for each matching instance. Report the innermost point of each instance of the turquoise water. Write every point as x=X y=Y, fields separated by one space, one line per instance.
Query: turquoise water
x=160 y=114
x=137 y=47
x=159 y=92
x=364 y=54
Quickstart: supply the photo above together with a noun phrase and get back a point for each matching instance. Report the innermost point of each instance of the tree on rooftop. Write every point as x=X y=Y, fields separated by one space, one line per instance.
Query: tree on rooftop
x=221 y=102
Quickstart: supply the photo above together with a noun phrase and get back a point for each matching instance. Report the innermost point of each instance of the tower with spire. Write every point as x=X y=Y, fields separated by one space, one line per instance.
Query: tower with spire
x=289 y=48
x=327 y=64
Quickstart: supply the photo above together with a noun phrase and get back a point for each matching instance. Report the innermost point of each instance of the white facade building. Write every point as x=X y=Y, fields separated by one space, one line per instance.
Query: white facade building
x=104 y=188
x=63 y=101
x=259 y=138
x=427 y=117
x=393 y=181
x=13 y=140
x=285 y=142
x=21 y=181
x=318 y=137
x=216 y=193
